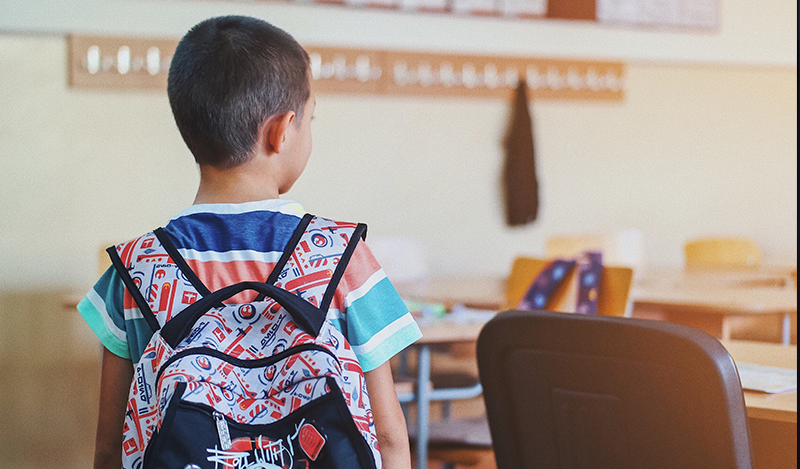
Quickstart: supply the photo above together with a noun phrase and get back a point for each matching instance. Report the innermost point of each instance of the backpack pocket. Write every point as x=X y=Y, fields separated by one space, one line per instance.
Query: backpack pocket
x=319 y=435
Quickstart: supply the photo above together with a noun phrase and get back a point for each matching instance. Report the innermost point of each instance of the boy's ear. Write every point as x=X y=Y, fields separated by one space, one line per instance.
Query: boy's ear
x=277 y=128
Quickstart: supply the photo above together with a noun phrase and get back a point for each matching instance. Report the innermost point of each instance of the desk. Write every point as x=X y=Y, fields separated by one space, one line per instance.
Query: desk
x=708 y=300
x=772 y=417
x=442 y=331
x=714 y=300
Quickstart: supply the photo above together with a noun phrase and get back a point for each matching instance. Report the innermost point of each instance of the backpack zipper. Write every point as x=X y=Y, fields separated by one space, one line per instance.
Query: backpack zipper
x=261 y=362
x=222 y=431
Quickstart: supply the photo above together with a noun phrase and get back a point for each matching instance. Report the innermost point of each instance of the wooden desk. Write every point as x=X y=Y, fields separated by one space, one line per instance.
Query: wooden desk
x=448 y=330
x=778 y=407
x=714 y=301
x=772 y=417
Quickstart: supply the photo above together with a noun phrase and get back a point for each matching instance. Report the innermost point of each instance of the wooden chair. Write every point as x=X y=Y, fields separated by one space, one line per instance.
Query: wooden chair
x=615 y=286
x=623 y=248
x=722 y=252
x=103 y=261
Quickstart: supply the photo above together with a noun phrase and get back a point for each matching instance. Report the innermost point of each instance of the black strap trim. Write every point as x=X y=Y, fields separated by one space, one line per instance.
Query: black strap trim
x=287 y=252
x=307 y=316
x=147 y=313
x=358 y=234
x=176 y=257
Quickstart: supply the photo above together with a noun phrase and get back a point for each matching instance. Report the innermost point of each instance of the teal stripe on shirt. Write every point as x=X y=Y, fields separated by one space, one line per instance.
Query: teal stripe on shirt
x=390 y=347
x=363 y=326
x=95 y=319
x=382 y=297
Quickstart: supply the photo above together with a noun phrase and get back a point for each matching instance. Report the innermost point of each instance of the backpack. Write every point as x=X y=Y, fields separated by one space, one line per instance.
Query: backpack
x=590 y=269
x=267 y=384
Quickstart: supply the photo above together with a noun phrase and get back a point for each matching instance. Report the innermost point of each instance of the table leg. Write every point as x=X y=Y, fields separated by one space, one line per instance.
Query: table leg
x=423 y=405
x=786 y=329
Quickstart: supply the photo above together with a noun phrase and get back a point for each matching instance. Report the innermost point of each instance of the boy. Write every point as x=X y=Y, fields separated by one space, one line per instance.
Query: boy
x=240 y=92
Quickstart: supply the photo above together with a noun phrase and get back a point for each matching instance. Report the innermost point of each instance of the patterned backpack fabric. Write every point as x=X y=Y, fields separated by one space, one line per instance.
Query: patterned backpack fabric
x=266 y=384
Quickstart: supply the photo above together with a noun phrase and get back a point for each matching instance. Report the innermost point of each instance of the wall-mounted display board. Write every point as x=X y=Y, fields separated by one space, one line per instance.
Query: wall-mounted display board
x=650 y=13
x=138 y=63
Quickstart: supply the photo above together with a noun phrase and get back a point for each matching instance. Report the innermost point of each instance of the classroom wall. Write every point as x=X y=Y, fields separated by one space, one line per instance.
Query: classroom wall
x=699 y=146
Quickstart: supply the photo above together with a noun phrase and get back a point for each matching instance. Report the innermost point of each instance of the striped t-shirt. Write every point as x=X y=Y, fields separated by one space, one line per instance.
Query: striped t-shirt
x=230 y=243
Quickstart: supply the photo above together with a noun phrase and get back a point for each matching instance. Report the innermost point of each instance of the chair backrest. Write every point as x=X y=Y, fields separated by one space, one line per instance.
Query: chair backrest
x=721 y=253
x=103 y=261
x=623 y=248
x=612 y=300
x=587 y=391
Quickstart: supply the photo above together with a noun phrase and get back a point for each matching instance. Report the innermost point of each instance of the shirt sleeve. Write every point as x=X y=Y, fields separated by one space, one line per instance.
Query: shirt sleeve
x=375 y=319
x=102 y=308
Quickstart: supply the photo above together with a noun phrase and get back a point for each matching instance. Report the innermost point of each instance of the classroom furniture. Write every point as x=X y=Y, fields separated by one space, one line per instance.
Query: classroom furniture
x=772 y=417
x=622 y=247
x=722 y=252
x=590 y=391
x=711 y=300
x=615 y=284
x=435 y=333
x=762 y=300
x=612 y=300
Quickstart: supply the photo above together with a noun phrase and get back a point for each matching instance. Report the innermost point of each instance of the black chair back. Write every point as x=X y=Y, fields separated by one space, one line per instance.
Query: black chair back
x=575 y=391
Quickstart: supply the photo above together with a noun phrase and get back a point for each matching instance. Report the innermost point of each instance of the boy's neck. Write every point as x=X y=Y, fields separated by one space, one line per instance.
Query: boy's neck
x=244 y=183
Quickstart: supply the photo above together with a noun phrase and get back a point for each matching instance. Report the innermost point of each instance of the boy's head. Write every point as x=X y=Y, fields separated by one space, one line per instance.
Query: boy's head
x=228 y=76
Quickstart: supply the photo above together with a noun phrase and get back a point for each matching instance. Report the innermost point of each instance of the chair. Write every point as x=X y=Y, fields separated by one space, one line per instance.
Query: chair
x=103 y=261
x=467 y=441
x=623 y=247
x=615 y=286
x=722 y=252
x=580 y=391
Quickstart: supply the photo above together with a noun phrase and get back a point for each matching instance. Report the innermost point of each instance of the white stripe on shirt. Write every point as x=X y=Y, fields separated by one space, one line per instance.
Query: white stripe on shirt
x=286 y=207
x=231 y=256
x=384 y=334
x=99 y=304
x=365 y=288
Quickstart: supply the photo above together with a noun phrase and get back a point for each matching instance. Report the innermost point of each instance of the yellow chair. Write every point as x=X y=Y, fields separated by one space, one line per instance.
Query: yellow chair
x=615 y=286
x=721 y=252
x=103 y=261
x=623 y=247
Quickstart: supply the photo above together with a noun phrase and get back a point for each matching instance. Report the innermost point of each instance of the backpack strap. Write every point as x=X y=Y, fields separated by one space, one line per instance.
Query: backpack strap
x=315 y=258
x=546 y=283
x=176 y=257
x=289 y=249
x=590 y=268
x=358 y=234
x=287 y=252
x=147 y=313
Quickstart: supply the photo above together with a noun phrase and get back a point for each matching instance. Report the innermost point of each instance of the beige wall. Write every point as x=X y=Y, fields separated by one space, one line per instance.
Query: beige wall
x=696 y=148
x=693 y=150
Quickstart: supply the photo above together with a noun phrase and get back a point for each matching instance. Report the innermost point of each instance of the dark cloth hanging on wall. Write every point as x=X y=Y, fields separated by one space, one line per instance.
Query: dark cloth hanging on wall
x=519 y=174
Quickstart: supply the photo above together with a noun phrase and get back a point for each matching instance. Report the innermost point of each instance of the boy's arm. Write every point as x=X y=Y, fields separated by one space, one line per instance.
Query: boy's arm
x=390 y=423
x=115 y=380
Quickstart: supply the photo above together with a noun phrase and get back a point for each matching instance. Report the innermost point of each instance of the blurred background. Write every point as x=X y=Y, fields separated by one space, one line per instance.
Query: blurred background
x=703 y=142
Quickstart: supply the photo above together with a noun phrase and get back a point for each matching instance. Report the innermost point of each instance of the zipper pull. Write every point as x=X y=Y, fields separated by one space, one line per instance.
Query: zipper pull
x=222 y=431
